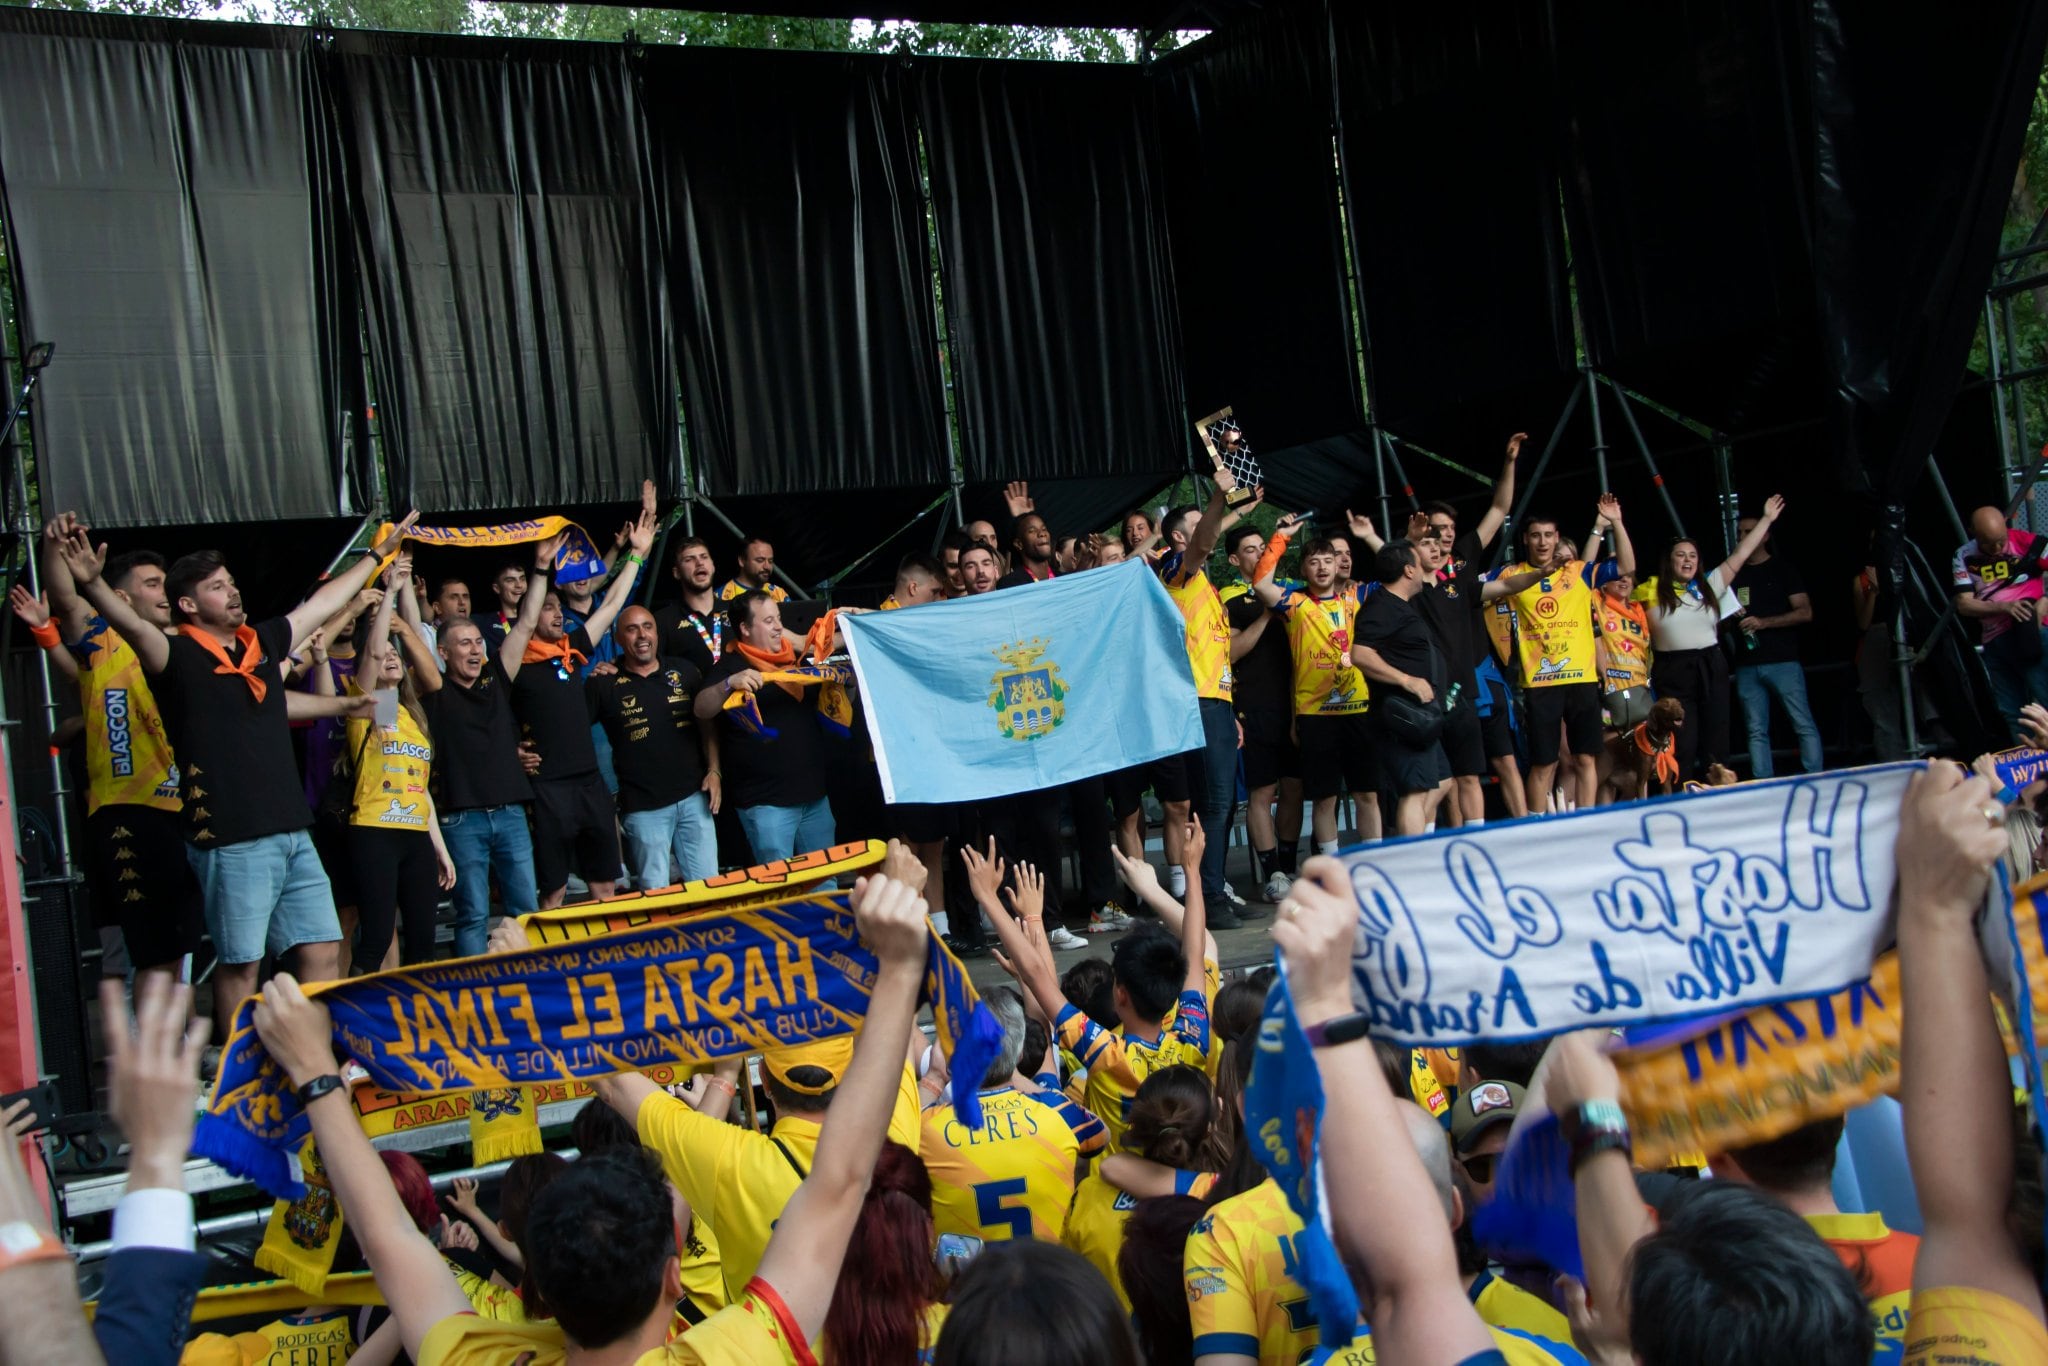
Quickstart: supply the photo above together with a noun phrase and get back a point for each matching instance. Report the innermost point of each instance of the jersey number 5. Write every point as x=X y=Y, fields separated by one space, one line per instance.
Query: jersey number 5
x=990 y=1211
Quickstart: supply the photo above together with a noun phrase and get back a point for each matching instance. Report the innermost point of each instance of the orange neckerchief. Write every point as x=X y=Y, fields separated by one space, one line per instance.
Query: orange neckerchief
x=817 y=645
x=245 y=636
x=538 y=650
x=1667 y=761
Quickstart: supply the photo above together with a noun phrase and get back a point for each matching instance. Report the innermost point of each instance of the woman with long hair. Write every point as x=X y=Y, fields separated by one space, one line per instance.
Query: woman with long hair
x=394 y=841
x=1168 y=1126
x=1686 y=610
x=1149 y=1270
x=1038 y=1302
x=886 y=1310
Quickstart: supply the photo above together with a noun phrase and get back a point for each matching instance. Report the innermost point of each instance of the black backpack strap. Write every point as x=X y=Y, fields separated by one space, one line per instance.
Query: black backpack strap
x=790 y=1158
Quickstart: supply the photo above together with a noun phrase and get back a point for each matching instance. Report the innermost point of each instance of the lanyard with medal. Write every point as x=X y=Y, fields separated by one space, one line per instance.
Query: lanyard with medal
x=714 y=638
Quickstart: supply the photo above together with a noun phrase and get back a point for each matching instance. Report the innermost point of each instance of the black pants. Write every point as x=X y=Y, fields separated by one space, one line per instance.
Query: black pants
x=1699 y=680
x=398 y=880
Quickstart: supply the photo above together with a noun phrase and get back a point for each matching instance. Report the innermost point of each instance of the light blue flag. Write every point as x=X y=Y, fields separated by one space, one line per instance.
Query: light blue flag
x=1025 y=688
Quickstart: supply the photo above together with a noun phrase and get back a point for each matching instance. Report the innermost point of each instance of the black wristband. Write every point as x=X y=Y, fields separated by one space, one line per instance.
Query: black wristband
x=318 y=1087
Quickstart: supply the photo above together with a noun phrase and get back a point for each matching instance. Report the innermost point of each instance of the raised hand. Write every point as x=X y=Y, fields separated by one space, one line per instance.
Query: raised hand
x=1017 y=497
x=400 y=572
x=462 y=1199
x=1774 y=507
x=1950 y=834
x=32 y=608
x=80 y=556
x=892 y=920
x=547 y=552
x=984 y=875
x=388 y=543
x=1027 y=898
x=1141 y=877
x=1515 y=444
x=641 y=537
x=1361 y=527
x=899 y=863
x=1610 y=508
x=1192 y=844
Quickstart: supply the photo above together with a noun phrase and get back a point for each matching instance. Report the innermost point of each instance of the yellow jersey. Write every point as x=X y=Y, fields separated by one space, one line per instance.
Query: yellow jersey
x=1881 y=1259
x=1427 y=1089
x=1011 y=1178
x=128 y=759
x=1117 y=1062
x=1498 y=617
x=1244 y=1298
x=1624 y=629
x=1095 y=1225
x=1326 y=682
x=738 y=1181
x=1957 y=1326
x=326 y=1338
x=1208 y=625
x=391 y=772
x=1515 y=1349
x=734 y=588
x=757 y=1329
x=1554 y=626
x=1504 y=1305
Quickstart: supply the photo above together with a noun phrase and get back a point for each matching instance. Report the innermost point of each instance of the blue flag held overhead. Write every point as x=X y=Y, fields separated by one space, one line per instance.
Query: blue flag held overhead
x=1025 y=688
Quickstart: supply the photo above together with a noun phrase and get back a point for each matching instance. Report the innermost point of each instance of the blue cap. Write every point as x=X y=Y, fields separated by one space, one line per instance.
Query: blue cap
x=1606 y=572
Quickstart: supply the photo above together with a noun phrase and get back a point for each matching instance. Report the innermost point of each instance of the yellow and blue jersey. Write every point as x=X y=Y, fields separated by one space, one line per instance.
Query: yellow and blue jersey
x=1117 y=1063
x=1244 y=1296
x=1095 y=1225
x=1513 y=1348
x=1505 y=1305
x=1011 y=1178
x=1090 y=1132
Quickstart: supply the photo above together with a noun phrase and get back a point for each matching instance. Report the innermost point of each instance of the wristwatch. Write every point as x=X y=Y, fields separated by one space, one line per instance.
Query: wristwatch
x=1342 y=1029
x=1593 y=1127
x=318 y=1087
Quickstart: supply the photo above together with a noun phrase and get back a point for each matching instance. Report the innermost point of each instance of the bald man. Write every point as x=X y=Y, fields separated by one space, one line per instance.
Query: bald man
x=1997 y=583
x=667 y=763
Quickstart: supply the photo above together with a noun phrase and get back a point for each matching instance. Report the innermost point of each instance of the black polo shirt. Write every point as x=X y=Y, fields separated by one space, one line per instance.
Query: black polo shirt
x=236 y=771
x=701 y=638
x=657 y=751
x=788 y=770
x=1450 y=606
x=547 y=696
x=1263 y=680
x=476 y=743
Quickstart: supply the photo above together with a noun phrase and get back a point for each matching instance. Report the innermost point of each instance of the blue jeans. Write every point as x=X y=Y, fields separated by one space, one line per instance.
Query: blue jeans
x=268 y=894
x=1216 y=791
x=1757 y=684
x=776 y=832
x=671 y=844
x=482 y=842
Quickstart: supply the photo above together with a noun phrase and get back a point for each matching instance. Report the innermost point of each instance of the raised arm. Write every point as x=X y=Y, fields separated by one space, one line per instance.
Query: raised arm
x=616 y=598
x=1953 y=1081
x=1382 y=1206
x=332 y=596
x=1496 y=514
x=84 y=561
x=35 y=614
x=1774 y=507
x=1026 y=954
x=1143 y=880
x=1624 y=550
x=1203 y=539
x=70 y=610
x=512 y=653
x=417 y=1284
x=371 y=650
x=809 y=1243
x=419 y=656
x=1362 y=528
x=1507 y=585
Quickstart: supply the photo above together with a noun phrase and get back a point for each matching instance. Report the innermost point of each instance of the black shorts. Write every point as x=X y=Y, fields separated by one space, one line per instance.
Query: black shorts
x=574 y=829
x=1269 y=751
x=1402 y=769
x=1497 y=728
x=140 y=874
x=1168 y=779
x=1464 y=742
x=1576 y=706
x=922 y=822
x=1336 y=755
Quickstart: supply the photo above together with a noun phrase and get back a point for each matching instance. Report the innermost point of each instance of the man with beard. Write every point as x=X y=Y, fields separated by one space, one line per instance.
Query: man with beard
x=757 y=572
x=979 y=571
x=694 y=627
x=221 y=691
x=667 y=763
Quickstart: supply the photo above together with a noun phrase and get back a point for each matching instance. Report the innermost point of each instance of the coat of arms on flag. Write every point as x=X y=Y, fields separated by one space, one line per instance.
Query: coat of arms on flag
x=1029 y=697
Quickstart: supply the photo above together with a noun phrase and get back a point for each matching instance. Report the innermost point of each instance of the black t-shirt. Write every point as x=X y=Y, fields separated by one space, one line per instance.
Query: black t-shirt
x=1765 y=590
x=1450 y=608
x=1263 y=680
x=476 y=743
x=1468 y=554
x=235 y=766
x=656 y=750
x=788 y=770
x=1018 y=577
x=701 y=638
x=1395 y=629
x=548 y=697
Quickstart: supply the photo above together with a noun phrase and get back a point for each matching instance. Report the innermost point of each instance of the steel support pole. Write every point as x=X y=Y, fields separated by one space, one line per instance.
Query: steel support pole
x=729 y=525
x=1528 y=494
x=1400 y=470
x=1379 y=464
x=1628 y=414
x=1727 y=503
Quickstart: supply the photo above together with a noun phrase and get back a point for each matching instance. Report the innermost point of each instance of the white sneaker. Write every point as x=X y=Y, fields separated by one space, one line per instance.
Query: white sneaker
x=1062 y=938
x=1276 y=887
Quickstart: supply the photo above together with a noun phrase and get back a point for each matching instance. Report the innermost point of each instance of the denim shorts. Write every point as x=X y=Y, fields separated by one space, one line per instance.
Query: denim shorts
x=265 y=895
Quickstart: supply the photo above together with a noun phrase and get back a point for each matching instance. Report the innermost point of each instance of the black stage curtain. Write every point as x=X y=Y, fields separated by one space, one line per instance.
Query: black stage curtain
x=505 y=216
x=1450 y=159
x=1258 y=256
x=1056 y=282
x=799 y=269
x=162 y=185
x=1910 y=199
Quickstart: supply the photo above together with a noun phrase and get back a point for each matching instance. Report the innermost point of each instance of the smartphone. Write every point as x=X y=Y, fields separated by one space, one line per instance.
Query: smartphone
x=43 y=1108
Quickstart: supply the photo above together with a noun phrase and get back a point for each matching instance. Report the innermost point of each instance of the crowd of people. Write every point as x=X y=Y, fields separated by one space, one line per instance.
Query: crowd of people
x=548 y=738
x=1111 y=1206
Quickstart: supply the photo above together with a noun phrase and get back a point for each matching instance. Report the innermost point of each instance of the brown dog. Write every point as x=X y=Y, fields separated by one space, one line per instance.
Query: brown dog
x=1646 y=754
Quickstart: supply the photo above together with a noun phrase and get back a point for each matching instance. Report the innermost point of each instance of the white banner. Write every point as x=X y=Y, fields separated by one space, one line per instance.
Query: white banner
x=1708 y=902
